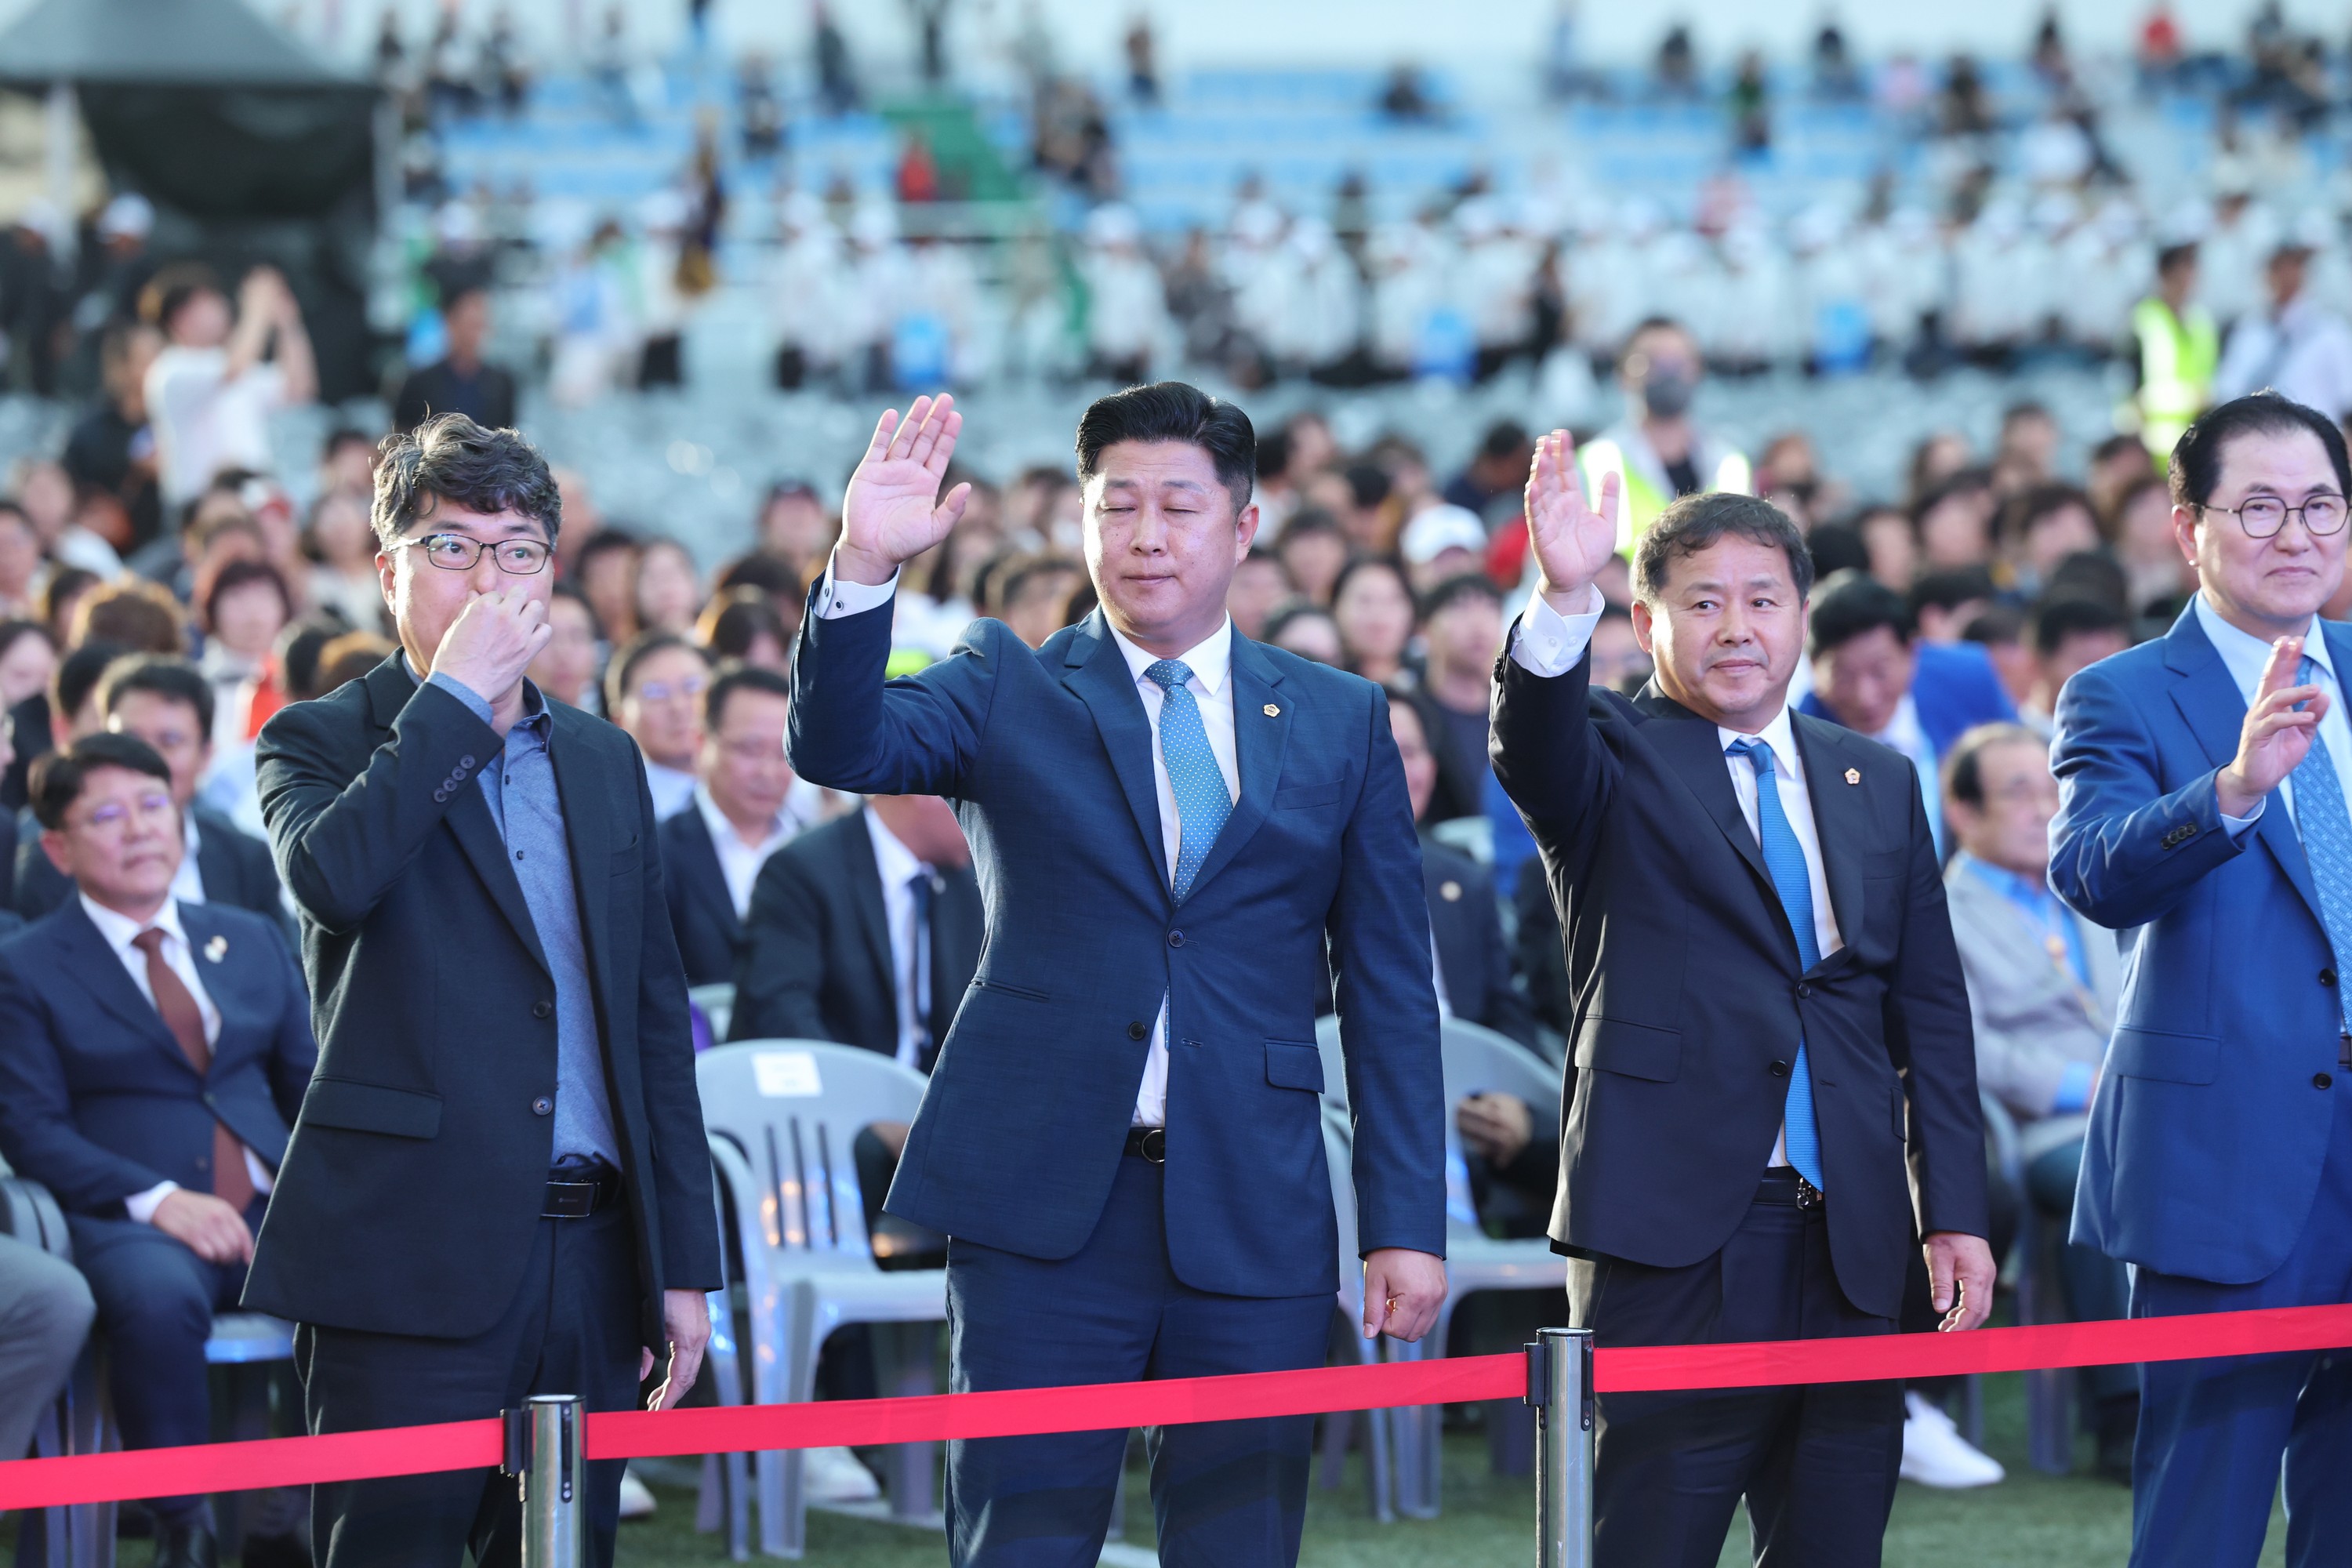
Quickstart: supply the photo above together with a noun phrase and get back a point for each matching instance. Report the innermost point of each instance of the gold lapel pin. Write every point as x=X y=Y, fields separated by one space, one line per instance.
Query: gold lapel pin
x=217 y=949
x=1271 y=711
x=1853 y=775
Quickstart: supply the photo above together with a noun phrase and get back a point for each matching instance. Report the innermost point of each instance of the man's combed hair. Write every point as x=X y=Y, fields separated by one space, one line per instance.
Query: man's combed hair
x=175 y=679
x=57 y=777
x=451 y=459
x=1172 y=411
x=2195 y=470
x=1964 y=769
x=1695 y=522
x=1855 y=604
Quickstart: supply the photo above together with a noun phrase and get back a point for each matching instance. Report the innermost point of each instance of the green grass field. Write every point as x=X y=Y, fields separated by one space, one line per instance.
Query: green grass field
x=2029 y=1520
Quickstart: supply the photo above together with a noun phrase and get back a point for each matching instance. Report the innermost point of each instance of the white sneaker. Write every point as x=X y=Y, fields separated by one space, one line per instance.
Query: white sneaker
x=636 y=1498
x=834 y=1475
x=1936 y=1455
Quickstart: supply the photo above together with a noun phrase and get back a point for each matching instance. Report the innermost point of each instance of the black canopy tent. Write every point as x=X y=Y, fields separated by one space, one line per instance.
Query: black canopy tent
x=252 y=148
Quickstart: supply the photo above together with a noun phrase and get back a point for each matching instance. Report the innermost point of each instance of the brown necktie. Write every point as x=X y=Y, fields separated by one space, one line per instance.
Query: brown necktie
x=231 y=1181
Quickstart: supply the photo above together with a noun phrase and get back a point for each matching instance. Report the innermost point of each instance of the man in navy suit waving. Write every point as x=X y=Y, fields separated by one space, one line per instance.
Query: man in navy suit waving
x=1172 y=826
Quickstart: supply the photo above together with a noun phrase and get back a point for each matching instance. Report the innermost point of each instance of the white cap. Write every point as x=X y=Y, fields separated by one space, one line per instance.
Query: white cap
x=1439 y=529
x=1112 y=223
x=128 y=217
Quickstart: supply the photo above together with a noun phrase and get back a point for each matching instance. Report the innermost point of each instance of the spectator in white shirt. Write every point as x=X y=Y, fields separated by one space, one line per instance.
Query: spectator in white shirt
x=2296 y=346
x=212 y=390
x=653 y=690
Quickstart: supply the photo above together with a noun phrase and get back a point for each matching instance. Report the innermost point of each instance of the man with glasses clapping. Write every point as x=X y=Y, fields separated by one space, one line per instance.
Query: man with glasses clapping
x=2202 y=779
x=496 y=1185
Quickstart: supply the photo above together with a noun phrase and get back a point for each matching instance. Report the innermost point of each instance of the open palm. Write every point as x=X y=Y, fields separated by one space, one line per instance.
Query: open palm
x=892 y=512
x=1572 y=538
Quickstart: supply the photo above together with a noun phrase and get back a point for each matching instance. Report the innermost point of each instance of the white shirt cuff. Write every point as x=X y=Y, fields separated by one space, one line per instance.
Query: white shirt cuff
x=1548 y=643
x=2239 y=826
x=141 y=1206
x=837 y=598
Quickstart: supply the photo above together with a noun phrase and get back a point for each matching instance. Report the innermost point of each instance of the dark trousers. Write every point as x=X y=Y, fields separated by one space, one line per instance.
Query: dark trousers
x=570 y=1328
x=1227 y=1494
x=1817 y=1464
x=2212 y=1433
x=155 y=1305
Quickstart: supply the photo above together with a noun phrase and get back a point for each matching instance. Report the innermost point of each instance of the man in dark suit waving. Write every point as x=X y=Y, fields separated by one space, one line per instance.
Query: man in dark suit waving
x=1122 y=1136
x=1765 y=985
x=497 y=1184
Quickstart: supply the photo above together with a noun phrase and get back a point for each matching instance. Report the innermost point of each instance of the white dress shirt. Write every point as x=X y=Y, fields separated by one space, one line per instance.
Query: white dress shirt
x=1212 y=663
x=672 y=788
x=1549 y=644
x=910 y=974
x=2243 y=656
x=740 y=862
x=188 y=882
x=119 y=930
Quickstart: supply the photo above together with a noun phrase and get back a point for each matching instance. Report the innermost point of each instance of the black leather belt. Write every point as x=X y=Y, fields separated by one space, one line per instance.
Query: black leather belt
x=575 y=1192
x=1784 y=1187
x=1149 y=1143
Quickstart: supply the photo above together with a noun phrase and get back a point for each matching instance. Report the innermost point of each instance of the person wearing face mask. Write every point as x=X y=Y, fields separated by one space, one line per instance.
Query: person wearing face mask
x=1656 y=453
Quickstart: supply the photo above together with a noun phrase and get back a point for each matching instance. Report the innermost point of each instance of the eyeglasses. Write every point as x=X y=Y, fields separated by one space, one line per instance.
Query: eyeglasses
x=110 y=815
x=692 y=686
x=455 y=552
x=2263 y=516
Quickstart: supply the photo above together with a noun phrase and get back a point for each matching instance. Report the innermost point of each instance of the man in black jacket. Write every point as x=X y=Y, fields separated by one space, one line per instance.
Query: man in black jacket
x=747 y=805
x=1773 y=1088
x=461 y=382
x=168 y=703
x=497 y=1183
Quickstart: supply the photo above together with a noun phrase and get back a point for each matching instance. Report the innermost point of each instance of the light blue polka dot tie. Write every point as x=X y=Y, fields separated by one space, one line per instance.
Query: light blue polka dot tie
x=2326 y=831
x=1202 y=803
x=1784 y=857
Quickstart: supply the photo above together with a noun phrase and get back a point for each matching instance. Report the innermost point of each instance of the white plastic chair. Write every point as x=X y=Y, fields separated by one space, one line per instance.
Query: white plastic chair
x=782 y=1117
x=1475 y=1060
x=1338 y=1152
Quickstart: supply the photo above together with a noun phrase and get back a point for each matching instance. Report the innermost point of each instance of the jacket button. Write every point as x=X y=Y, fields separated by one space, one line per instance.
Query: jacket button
x=1175 y=938
x=1136 y=1031
x=542 y=1106
x=1803 y=991
x=466 y=760
x=2321 y=1081
x=2328 y=977
x=1779 y=1069
x=541 y=1008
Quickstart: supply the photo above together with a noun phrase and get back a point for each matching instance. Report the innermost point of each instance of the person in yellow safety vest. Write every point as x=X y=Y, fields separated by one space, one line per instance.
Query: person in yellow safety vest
x=1656 y=453
x=2180 y=350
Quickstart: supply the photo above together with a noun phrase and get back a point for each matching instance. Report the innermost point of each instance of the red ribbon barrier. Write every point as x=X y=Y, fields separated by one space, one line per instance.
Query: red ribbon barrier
x=634 y=1434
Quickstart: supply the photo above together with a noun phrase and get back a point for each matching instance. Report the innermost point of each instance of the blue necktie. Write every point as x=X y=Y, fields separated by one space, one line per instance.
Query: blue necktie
x=2326 y=841
x=1784 y=857
x=1199 y=784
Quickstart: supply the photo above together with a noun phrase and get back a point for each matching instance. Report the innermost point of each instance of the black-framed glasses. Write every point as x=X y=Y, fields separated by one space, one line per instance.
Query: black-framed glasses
x=2262 y=516
x=455 y=552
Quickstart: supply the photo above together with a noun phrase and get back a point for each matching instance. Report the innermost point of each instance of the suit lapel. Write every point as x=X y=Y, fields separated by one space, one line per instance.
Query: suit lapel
x=2215 y=709
x=587 y=803
x=216 y=861
x=1097 y=672
x=223 y=977
x=873 y=913
x=1840 y=817
x=477 y=835
x=1688 y=744
x=100 y=971
x=705 y=878
x=1261 y=740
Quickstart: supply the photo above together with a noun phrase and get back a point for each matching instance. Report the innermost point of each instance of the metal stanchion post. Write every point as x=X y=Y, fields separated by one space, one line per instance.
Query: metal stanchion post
x=1560 y=1385
x=546 y=1450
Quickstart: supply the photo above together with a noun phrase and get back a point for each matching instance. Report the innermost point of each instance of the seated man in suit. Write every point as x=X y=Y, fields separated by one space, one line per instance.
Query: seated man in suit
x=2043 y=983
x=748 y=805
x=168 y=703
x=153 y=1056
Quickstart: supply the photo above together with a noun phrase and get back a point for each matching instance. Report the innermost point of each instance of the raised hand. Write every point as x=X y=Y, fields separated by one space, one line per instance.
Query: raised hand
x=2277 y=736
x=892 y=512
x=490 y=643
x=1572 y=539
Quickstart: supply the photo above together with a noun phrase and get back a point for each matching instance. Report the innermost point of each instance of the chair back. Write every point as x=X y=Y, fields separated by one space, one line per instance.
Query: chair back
x=793 y=1109
x=1335 y=1062
x=1339 y=1153
x=716 y=1001
x=30 y=1213
x=1480 y=1061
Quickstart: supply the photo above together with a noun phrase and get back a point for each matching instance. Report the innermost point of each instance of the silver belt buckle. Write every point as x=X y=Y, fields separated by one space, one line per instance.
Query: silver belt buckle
x=1809 y=1197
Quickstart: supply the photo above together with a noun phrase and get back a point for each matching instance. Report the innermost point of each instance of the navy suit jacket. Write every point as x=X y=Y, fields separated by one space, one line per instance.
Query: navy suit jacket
x=1955 y=688
x=701 y=911
x=2208 y=1134
x=418 y=1168
x=1046 y=756
x=98 y=1103
x=1691 y=997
